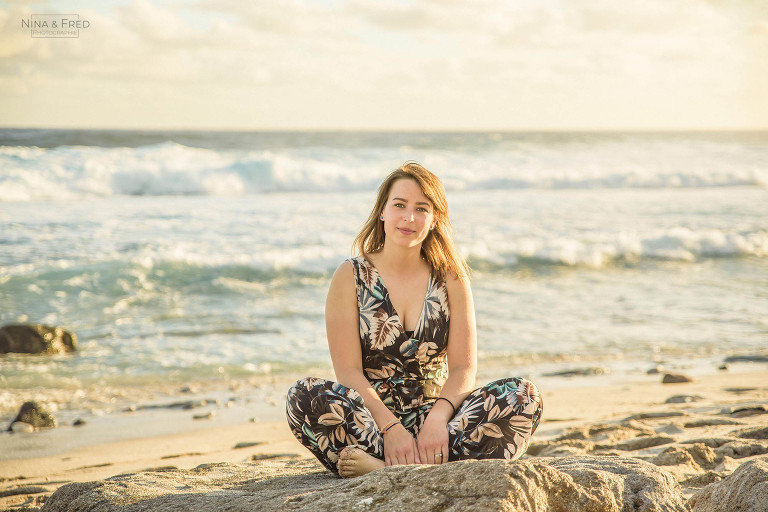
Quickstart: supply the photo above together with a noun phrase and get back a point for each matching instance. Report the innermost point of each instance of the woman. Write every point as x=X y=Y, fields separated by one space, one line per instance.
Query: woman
x=405 y=361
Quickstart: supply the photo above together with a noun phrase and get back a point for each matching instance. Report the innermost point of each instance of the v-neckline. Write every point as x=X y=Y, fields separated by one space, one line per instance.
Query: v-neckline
x=394 y=311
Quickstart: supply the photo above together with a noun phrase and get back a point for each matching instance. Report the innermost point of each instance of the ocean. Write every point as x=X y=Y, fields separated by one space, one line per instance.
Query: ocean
x=183 y=257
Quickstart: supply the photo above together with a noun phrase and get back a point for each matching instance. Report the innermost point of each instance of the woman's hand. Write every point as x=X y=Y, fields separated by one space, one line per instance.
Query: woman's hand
x=433 y=441
x=400 y=447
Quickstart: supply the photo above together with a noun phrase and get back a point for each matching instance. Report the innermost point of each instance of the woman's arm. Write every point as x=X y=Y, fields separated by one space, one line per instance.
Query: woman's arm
x=342 y=325
x=462 y=367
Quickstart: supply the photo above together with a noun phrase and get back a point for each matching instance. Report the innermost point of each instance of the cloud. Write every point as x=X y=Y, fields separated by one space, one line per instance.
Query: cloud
x=488 y=62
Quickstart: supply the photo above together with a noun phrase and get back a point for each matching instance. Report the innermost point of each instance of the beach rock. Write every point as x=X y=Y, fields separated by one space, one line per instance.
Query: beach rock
x=36 y=339
x=34 y=414
x=640 y=443
x=579 y=372
x=696 y=456
x=586 y=484
x=753 y=433
x=683 y=399
x=709 y=422
x=746 y=359
x=673 y=378
x=744 y=412
x=745 y=489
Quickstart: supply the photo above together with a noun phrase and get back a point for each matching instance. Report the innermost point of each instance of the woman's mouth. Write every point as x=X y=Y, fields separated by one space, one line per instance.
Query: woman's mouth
x=406 y=231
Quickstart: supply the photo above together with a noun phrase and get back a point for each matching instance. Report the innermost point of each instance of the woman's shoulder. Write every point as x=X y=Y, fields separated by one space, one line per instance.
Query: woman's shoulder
x=456 y=284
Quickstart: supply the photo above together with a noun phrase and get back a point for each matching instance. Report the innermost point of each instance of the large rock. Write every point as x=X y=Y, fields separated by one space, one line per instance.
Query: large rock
x=34 y=414
x=745 y=489
x=36 y=339
x=586 y=484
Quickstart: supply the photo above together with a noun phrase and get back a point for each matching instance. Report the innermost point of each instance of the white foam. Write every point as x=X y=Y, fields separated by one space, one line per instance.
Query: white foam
x=66 y=172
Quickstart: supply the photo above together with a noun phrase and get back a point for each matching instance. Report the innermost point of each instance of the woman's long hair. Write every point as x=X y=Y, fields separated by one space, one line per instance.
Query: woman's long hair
x=438 y=249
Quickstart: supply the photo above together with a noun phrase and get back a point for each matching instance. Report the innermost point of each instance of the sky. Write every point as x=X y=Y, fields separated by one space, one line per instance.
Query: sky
x=389 y=65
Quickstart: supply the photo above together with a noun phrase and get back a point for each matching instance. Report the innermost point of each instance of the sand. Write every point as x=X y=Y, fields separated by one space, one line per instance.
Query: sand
x=571 y=406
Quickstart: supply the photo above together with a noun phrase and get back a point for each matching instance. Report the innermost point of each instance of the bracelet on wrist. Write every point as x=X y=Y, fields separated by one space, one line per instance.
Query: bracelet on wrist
x=449 y=403
x=389 y=425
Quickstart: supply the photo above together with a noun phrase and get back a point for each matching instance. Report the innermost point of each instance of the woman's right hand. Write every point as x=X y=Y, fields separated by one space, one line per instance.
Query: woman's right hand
x=400 y=447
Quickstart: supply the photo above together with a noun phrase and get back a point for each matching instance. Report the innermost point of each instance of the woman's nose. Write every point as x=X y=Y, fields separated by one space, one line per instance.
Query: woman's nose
x=408 y=215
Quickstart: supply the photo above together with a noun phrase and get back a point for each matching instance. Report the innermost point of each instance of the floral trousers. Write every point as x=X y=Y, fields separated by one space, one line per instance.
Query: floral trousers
x=495 y=421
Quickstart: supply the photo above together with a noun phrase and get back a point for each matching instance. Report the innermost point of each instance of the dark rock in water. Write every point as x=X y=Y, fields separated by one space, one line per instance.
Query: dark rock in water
x=579 y=372
x=683 y=399
x=585 y=483
x=34 y=414
x=744 y=489
x=723 y=367
x=79 y=422
x=672 y=378
x=36 y=339
x=747 y=359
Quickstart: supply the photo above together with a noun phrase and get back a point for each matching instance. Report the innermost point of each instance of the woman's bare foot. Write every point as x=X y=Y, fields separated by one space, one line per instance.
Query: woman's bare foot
x=355 y=462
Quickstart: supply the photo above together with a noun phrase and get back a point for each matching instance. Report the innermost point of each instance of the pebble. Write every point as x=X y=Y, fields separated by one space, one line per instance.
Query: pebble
x=673 y=378
x=79 y=422
x=683 y=399
x=208 y=416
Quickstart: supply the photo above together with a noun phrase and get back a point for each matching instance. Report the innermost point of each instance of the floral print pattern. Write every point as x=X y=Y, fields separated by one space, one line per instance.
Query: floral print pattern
x=408 y=372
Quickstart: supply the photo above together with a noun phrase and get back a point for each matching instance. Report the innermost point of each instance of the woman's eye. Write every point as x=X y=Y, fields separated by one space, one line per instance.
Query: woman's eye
x=399 y=205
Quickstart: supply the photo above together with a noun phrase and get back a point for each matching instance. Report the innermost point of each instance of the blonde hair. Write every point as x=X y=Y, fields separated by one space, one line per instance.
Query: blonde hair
x=438 y=249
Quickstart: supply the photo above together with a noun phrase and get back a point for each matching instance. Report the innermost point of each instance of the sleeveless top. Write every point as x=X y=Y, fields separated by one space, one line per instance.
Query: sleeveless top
x=406 y=371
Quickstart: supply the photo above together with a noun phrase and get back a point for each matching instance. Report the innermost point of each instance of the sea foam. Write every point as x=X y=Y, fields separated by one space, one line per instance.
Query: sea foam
x=68 y=172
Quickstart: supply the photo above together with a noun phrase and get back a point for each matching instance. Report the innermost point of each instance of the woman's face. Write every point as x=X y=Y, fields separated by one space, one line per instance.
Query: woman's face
x=408 y=214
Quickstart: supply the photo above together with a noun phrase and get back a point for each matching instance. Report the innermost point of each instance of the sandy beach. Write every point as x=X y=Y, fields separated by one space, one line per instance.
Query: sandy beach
x=629 y=417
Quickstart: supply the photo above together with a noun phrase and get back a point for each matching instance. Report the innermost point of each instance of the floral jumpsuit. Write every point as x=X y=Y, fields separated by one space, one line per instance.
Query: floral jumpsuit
x=408 y=371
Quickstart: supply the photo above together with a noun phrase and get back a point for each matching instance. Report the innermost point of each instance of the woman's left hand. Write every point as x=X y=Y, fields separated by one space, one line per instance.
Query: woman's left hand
x=433 y=442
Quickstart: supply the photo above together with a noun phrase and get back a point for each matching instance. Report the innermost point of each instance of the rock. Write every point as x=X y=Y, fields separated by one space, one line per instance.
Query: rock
x=743 y=412
x=753 y=433
x=709 y=422
x=586 y=484
x=696 y=456
x=79 y=422
x=683 y=399
x=34 y=414
x=36 y=339
x=723 y=367
x=670 y=428
x=25 y=489
x=579 y=372
x=654 y=415
x=267 y=456
x=205 y=416
x=673 y=378
x=246 y=444
x=701 y=480
x=740 y=390
x=655 y=370
x=640 y=443
x=739 y=450
x=745 y=489
x=747 y=359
